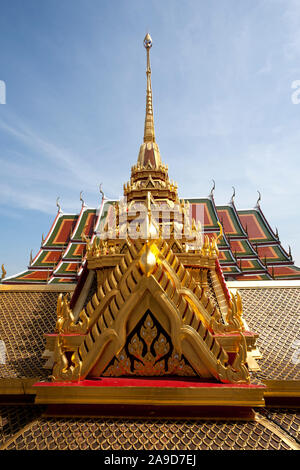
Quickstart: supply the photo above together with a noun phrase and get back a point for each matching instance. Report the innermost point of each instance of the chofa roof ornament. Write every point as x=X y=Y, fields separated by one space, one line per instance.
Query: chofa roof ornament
x=81 y=199
x=101 y=192
x=257 y=206
x=58 y=205
x=233 y=196
x=3 y=272
x=211 y=194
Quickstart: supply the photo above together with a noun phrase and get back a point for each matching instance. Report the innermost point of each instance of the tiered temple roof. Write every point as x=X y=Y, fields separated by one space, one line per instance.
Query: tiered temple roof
x=248 y=250
x=147 y=326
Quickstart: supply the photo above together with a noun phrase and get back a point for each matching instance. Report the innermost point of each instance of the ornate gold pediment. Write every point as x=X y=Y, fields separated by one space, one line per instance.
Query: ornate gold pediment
x=148 y=352
x=150 y=278
x=161 y=306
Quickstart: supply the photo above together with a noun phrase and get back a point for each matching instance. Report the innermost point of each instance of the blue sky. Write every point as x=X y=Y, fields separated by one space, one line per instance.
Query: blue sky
x=75 y=80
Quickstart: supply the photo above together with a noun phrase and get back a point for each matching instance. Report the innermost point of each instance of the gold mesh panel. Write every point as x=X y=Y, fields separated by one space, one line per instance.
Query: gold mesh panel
x=274 y=313
x=162 y=434
x=24 y=318
x=14 y=418
x=287 y=419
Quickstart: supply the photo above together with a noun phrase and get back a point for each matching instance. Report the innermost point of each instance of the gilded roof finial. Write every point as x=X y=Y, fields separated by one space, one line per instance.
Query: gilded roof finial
x=221 y=232
x=149 y=135
x=3 y=272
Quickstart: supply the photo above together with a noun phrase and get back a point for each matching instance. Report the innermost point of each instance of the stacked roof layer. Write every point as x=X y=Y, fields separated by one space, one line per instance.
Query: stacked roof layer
x=249 y=248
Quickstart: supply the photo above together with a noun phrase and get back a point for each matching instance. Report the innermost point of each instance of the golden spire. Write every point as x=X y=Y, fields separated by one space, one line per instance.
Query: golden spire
x=149 y=135
x=149 y=156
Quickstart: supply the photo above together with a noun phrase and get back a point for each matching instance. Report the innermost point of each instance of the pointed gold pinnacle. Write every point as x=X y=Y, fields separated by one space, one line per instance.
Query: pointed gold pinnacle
x=149 y=135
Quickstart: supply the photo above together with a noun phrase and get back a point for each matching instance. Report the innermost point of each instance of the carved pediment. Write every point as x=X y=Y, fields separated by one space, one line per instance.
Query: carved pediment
x=148 y=351
x=150 y=278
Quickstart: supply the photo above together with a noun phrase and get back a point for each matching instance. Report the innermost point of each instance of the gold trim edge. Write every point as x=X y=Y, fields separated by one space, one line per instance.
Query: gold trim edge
x=37 y=288
x=282 y=388
x=206 y=396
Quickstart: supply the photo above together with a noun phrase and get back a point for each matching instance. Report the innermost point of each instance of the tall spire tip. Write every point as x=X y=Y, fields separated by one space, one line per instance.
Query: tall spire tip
x=147 y=41
x=149 y=135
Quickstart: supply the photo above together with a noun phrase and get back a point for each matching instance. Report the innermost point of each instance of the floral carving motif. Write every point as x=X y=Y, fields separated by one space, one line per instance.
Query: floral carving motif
x=153 y=361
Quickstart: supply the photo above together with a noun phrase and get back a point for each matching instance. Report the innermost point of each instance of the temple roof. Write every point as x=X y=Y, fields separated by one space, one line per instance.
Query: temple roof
x=249 y=248
x=26 y=315
x=150 y=309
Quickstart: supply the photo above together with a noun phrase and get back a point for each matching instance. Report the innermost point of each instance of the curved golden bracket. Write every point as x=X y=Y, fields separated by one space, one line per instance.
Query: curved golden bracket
x=221 y=231
x=3 y=272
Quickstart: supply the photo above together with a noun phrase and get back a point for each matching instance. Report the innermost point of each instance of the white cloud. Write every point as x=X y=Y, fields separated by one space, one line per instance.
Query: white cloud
x=62 y=158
